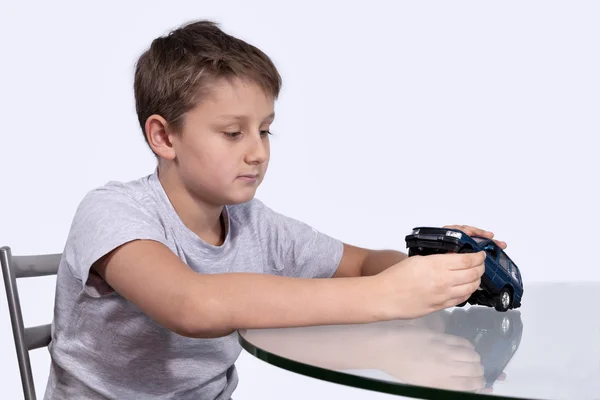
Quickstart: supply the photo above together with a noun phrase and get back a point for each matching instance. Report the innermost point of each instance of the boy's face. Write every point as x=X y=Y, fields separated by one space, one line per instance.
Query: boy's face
x=223 y=151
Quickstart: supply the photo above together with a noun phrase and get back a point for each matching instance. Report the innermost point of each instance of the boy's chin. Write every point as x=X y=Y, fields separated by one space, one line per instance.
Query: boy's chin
x=241 y=197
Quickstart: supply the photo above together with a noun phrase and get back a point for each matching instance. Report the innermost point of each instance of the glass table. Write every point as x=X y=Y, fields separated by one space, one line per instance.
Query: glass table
x=547 y=349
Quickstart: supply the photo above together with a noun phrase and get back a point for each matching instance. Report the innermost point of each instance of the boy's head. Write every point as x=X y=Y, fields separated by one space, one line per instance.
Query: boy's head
x=205 y=103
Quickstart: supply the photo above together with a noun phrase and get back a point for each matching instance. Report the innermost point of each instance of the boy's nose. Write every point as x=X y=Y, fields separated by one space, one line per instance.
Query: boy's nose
x=258 y=150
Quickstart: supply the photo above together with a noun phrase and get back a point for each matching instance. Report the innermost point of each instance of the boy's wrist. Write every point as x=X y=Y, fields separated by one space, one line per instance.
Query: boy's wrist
x=380 y=260
x=371 y=296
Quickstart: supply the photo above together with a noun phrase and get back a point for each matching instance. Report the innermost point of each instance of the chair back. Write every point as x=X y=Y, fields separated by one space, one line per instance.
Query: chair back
x=13 y=268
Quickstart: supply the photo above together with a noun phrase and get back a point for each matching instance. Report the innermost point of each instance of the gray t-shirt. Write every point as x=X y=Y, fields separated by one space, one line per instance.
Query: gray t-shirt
x=104 y=347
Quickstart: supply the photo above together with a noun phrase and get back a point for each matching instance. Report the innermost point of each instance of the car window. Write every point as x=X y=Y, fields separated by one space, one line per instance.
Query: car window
x=504 y=261
x=515 y=272
x=491 y=250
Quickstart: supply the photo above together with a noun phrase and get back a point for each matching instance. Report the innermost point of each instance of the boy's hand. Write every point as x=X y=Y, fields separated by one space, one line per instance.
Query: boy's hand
x=472 y=231
x=420 y=285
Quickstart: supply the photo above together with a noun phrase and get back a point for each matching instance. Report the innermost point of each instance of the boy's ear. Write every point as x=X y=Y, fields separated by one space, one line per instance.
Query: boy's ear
x=157 y=133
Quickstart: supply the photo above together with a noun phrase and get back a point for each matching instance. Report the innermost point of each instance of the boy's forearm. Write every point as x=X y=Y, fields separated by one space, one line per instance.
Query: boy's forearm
x=225 y=302
x=380 y=260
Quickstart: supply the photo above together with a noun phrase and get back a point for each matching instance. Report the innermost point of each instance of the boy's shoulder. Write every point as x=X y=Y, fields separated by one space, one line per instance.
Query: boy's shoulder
x=120 y=204
x=135 y=190
x=140 y=197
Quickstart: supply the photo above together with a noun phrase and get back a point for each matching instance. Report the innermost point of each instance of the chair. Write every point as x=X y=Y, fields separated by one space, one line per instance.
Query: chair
x=30 y=338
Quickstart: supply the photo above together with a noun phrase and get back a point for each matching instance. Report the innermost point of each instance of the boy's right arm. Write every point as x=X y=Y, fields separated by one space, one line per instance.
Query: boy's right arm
x=151 y=276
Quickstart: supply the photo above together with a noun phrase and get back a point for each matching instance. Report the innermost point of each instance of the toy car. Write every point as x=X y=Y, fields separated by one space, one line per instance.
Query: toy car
x=501 y=284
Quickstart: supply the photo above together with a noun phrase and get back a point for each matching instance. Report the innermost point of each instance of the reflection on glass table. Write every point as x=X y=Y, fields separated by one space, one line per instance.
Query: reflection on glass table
x=546 y=350
x=495 y=337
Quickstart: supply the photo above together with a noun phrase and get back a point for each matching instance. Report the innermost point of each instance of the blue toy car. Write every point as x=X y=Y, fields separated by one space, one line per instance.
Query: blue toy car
x=501 y=284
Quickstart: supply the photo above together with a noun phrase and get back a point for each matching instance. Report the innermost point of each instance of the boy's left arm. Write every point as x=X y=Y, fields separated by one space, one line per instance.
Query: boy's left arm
x=358 y=261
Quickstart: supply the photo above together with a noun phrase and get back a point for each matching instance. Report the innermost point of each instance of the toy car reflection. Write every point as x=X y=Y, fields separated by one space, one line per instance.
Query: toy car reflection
x=495 y=336
x=501 y=285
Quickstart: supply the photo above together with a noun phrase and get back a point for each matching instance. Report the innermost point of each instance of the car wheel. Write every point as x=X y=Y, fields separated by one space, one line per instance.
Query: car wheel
x=503 y=300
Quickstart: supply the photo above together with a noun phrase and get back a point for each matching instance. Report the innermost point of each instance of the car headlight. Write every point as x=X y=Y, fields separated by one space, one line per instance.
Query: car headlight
x=457 y=235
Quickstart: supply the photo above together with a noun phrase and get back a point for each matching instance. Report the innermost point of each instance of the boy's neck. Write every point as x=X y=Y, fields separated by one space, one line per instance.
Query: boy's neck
x=204 y=219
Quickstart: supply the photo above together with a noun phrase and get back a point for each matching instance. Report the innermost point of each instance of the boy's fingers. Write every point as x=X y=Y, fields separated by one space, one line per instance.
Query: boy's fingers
x=454 y=261
x=463 y=276
x=464 y=291
x=501 y=244
x=471 y=230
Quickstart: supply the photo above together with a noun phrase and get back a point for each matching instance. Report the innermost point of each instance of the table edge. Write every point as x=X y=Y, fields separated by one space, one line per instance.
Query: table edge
x=361 y=382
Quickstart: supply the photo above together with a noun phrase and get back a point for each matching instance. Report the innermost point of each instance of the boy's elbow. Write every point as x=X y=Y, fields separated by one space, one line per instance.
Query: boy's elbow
x=201 y=322
x=202 y=332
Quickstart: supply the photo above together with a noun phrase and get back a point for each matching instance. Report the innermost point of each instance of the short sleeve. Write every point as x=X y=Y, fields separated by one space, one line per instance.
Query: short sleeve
x=105 y=219
x=302 y=250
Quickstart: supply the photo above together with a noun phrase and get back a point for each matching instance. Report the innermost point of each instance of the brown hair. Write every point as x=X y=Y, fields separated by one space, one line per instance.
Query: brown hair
x=176 y=71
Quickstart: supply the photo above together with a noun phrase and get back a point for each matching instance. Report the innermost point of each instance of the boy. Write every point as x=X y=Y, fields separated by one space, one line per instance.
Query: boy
x=158 y=273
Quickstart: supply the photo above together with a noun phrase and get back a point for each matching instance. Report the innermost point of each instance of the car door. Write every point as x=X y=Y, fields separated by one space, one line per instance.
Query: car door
x=504 y=268
x=491 y=263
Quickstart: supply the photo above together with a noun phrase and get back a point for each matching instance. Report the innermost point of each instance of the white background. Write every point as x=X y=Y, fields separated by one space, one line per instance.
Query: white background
x=393 y=115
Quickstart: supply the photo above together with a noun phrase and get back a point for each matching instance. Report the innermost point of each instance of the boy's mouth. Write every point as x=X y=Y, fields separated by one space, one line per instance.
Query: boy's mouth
x=249 y=177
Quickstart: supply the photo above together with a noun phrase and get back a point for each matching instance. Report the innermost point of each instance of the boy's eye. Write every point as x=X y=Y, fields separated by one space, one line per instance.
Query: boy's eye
x=233 y=135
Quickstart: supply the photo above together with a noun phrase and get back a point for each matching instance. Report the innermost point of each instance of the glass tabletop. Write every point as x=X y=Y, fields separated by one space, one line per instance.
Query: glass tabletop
x=547 y=349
